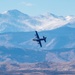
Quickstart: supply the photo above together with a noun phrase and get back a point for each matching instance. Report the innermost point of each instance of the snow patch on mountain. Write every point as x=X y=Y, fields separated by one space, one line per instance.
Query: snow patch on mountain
x=50 y=21
x=51 y=44
x=16 y=21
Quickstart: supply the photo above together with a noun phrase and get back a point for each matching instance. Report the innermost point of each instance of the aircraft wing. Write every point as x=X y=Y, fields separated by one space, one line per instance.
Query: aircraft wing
x=39 y=42
x=38 y=39
x=37 y=35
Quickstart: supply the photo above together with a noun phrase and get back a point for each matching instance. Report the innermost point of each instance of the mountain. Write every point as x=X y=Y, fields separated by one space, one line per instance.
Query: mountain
x=19 y=61
x=18 y=51
x=60 y=46
x=16 y=21
x=62 y=37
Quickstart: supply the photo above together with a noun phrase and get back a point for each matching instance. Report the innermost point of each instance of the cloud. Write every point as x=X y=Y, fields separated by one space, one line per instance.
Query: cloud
x=27 y=4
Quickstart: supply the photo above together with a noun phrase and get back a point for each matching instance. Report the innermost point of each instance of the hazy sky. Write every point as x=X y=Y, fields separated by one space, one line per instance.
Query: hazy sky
x=37 y=7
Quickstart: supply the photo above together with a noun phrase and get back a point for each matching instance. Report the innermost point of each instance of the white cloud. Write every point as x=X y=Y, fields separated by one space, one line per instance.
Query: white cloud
x=27 y=4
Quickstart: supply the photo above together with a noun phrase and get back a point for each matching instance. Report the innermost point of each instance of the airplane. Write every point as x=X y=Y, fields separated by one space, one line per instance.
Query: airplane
x=38 y=39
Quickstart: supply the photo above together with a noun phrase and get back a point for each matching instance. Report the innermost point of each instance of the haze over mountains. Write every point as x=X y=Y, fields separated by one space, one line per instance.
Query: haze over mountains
x=16 y=21
x=17 y=31
x=59 y=30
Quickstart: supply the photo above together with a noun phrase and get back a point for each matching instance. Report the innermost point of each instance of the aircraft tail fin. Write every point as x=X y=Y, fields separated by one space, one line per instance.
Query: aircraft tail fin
x=44 y=38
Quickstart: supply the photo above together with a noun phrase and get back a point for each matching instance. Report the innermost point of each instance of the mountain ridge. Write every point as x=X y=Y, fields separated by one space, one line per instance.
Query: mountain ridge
x=19 y=54
x=16 y=21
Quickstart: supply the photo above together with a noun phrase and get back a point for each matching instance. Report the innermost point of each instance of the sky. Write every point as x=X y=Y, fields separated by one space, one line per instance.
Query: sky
x=37 y=7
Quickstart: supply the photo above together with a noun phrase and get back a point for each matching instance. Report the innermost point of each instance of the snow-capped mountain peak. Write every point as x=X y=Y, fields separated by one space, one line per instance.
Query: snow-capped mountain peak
x=14 y=20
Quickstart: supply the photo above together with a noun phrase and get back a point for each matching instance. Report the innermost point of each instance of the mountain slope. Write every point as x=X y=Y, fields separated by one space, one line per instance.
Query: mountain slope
x=18 y=55
x=16 y=21
x=16 y=43
x=62 y=37
x=60 y=46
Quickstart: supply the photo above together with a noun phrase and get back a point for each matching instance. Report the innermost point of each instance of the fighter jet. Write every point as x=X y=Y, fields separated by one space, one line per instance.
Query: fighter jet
x=38 y=39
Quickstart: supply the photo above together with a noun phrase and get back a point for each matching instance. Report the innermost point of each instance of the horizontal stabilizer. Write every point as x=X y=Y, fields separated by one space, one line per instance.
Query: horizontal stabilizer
x=44 y=38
